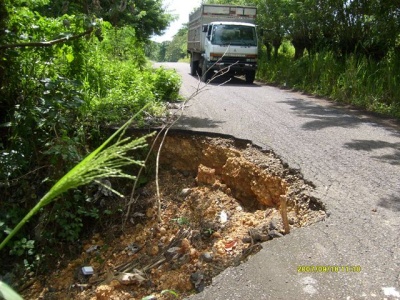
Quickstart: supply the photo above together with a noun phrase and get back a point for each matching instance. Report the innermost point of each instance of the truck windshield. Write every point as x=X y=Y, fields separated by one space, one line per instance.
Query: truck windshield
x=235 y=35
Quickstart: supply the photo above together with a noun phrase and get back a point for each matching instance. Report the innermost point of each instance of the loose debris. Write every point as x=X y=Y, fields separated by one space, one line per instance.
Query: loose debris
x=216 y=212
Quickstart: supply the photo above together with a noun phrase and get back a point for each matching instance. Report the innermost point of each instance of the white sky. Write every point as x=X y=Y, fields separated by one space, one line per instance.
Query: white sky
x=182 y=8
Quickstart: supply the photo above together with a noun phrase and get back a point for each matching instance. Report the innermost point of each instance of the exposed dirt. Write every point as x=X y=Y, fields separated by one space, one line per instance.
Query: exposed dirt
x=220 y=199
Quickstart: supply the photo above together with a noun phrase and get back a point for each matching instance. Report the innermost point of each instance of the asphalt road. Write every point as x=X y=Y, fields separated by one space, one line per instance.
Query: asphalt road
x=354 y=161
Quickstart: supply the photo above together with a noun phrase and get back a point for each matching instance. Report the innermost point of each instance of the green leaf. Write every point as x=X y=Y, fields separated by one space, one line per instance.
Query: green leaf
x=70 y=57
x=170 y=292
x=8 y=293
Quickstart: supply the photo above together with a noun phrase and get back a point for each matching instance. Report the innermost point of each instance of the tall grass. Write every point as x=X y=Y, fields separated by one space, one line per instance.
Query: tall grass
x=359 y=81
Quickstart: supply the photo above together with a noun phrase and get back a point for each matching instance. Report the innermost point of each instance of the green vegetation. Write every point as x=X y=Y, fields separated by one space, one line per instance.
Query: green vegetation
x=349 y=52
x=71 y=71
x=171 y=51
x=101 y=163
x=346 y=51
x=68 y=71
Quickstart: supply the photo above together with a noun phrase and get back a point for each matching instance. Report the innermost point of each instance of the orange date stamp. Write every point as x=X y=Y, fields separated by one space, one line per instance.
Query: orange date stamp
x=328 y=269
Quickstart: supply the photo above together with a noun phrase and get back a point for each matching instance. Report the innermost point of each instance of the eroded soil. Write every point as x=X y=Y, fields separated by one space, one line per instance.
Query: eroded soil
x=220 y=199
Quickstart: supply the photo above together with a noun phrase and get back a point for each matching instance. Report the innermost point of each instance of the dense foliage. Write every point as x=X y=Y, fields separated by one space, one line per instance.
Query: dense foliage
x=67 y=70
x=346 y=50
x=171 y=51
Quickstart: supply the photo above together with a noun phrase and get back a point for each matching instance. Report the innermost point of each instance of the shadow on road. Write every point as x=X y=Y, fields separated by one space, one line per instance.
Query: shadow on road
x=323 y=117
x=392 y=203
x=230 y=81
x=195 y=122
x=370 y=145
x=337 y=115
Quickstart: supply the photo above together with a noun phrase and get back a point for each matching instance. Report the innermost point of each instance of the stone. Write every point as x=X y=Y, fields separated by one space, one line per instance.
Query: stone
x=131 y=278
x=274 y=234
x=205 y=175
x=185 y=192
x=197 y=278
x=103 y=292
x=207 y=256
x=133 y=248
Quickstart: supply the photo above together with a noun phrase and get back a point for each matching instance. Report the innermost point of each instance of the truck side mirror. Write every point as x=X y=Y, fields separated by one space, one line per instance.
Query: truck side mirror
x=204 y=28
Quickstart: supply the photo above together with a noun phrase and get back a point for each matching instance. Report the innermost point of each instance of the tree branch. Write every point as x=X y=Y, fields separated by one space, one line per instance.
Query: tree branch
x=49 y=43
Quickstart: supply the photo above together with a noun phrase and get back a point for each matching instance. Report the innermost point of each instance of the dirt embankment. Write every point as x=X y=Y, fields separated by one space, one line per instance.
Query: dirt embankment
x=220 y=199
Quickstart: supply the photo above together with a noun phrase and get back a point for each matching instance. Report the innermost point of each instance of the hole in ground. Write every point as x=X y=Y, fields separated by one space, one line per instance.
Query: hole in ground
x=220 y=199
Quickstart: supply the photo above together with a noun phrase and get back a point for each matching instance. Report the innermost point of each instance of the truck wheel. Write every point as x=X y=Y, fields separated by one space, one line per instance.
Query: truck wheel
x=206 y=74
x=250 y=76
x=194 y=66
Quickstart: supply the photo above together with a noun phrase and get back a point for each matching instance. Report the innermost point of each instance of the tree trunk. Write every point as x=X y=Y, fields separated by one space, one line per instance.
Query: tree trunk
x=276 y=43
x=269 y=49
x=298 y=51
x=299 y=45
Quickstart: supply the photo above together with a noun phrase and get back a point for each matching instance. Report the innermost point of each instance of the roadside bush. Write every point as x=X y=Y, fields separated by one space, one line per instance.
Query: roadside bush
x=56 y=101
x=166 y=84
x=354 y=80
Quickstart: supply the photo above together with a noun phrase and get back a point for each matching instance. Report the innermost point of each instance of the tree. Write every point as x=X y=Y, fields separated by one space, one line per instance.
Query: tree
x=177 y=47
x=162 y=56
x=272 y=19
x=148 y=17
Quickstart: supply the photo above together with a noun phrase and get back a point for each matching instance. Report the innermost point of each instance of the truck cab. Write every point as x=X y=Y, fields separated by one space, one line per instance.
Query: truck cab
x=230 y=47
x=223 y=39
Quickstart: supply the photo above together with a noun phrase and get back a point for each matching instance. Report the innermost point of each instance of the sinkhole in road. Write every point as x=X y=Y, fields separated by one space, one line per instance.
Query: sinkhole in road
x=221 y=198
x=225 y=197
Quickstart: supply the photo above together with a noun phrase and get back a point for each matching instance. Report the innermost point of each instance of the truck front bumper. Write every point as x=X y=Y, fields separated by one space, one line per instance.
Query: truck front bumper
x=232 y=66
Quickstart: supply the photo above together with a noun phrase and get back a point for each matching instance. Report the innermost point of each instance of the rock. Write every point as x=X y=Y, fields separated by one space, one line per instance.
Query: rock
x=185 y=192
x=223 y=217
x=93 y=248
x=256 y=236
x=153 y=250
x=132 y=248
x=103 y=292
x=197 y=278
x=216 y=235
x=239 y=208
x=273 y=224
x=274 y=234
x=221 y=250
x=193 y=253
x=162 y=230
x=131 y=278
x=205 y=175
x=207 y=256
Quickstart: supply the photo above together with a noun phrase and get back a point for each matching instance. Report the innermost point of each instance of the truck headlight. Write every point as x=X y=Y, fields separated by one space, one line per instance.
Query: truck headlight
x=214 y=56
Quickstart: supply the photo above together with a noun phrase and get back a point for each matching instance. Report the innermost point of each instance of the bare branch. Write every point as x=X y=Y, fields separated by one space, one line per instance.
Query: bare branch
x=49 y=43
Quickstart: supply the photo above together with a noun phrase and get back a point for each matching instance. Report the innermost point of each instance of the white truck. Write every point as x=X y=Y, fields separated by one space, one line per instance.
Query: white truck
x=223 y=38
